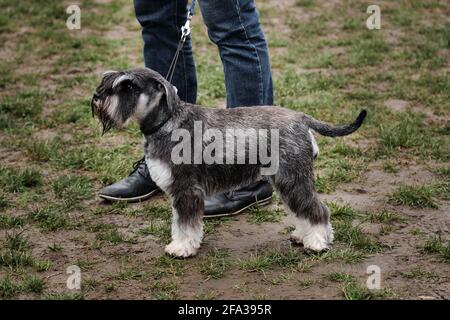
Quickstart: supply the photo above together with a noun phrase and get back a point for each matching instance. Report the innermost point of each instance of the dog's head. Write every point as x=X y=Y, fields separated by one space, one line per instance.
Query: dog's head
x=142 y=94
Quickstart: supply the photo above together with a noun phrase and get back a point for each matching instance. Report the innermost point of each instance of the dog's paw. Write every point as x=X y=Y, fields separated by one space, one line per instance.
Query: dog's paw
x=181 y=249
x=316 y=242
x=296 y=237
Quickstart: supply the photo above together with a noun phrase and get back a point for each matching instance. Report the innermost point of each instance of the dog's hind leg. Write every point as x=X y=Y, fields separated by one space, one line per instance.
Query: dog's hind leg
x=187 y=223
x=311 y=217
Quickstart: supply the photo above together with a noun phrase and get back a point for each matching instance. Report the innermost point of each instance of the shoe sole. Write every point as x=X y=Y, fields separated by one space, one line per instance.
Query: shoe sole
x=130 y=200
x=255 y=204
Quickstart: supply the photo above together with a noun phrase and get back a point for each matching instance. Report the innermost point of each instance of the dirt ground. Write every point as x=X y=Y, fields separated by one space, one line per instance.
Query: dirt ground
x=387 y=185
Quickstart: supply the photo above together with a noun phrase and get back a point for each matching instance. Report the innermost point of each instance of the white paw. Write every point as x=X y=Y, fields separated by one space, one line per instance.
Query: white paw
x=181 y=249
x=315 y=242
x=297 y=237
x=319 y=238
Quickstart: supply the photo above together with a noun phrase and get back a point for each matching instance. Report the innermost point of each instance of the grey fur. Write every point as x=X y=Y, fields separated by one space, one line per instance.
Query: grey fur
x=294 y=180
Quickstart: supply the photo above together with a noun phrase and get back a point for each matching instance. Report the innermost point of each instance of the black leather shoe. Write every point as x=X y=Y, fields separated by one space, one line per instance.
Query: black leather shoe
x=138 y=186
x=234 y=202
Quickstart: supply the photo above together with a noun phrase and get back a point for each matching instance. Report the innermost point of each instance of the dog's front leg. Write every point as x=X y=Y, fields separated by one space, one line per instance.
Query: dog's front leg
x=187 y=224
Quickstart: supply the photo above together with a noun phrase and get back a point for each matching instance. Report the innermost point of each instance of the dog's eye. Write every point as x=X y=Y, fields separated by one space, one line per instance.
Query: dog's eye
x=129 y=87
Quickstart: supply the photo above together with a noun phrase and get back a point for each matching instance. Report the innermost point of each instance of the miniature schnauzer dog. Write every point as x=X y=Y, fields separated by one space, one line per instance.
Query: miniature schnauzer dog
x=145 y=96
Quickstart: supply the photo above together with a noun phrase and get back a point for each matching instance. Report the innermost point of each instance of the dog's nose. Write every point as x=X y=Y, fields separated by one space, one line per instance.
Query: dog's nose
x=96 y=96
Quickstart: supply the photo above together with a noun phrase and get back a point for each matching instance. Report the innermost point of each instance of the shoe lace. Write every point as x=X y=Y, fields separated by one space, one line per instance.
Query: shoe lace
x=138 y=164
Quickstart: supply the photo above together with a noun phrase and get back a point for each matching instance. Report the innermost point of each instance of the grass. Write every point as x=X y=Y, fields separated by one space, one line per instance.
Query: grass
x=50 y=218
x=4 y=203
x=260 y=215
x=112 y=237
x=341 y=211
x=352 y=290
x=64 y=296
x=409 y=133
x=436 y=245
x=337 y=171
x=72 y=189
x=9 y=222
x=348 y=255
x=26 y=104
x=325 y=63
x=165 y=290
x=419 y=273
x=415 y=196
x=33 y=283
x=13 y=180
x=354 y=237
x=131 y=274
x=40 y=150
x=161 y=229
x=16 y=241
x=168 y=266
x=386 y=217
x=8 y=289
x=339 y=277
x=266 y=258
x=15 y=253
x=215 y=264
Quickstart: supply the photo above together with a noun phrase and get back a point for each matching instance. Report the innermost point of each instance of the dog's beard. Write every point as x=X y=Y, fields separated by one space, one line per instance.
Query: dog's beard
x=106 y=111
x=114 y=110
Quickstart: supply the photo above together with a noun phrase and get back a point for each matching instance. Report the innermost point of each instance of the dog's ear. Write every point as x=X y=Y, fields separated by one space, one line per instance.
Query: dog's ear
x=169 y=97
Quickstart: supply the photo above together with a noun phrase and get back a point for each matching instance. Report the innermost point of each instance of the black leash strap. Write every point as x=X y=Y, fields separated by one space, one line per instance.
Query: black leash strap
x=185 y=31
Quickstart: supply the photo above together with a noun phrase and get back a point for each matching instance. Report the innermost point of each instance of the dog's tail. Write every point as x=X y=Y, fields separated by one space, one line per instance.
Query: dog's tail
x=330 y=131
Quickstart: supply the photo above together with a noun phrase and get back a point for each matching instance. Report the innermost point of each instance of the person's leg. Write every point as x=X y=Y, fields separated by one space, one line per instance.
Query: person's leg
x=233 y=25
x=161 y=21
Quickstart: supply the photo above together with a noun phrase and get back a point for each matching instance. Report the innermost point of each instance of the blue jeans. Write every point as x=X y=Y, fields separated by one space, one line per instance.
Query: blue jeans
x=233 y=25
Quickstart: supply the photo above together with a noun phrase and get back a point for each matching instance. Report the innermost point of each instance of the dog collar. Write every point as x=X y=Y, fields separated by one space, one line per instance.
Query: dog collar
x=153 y=129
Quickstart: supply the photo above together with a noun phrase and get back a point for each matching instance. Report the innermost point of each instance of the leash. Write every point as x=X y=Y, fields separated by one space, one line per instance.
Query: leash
x=185 y=32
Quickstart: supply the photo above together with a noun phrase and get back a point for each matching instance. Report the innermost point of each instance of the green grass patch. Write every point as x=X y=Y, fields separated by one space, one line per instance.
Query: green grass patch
x=267 y=258
x=354 y=237
x=13 y=180
x=352 y=290
x=418 y=273
x=72 y=189
x=165 y=290
x=415 y=196
x=113 y=237
x=435 y=245
x=8 y=222
x=260 y=215
x=51 y=218
x=64 y=296
x=33 y=283
x=168 y=266
x=386 y=217
x=8 y=289
x=161 y=229
x=339 y=277
x=41 y=150
x=341 y=211
x=26 y=104
x=215 y=264
x=4 y=203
